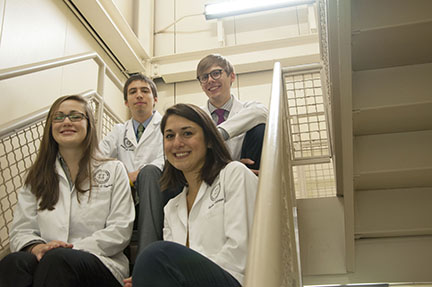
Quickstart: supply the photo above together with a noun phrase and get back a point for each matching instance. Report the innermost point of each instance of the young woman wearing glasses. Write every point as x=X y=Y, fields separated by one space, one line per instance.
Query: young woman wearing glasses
x=75 y=213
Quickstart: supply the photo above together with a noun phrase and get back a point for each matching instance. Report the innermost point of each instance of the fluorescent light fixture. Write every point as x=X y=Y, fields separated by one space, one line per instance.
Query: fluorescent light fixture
x=232 y=8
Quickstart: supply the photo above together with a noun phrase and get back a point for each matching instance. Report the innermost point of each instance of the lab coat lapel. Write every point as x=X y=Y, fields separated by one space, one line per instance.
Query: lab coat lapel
x=60 y=171
x=182 y=203
x=130 y=133
x=153 y=124
x=201 y=192
x=182 y=208
x=206 y=109
x=236 y=107
x=63 y=177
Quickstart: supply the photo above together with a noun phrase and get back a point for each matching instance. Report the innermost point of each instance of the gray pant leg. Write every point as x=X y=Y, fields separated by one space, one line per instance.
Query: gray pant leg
x=150 y=216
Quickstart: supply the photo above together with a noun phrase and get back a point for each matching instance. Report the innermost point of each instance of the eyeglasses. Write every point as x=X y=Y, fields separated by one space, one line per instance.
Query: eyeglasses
x=215 y=74
x=73 y=117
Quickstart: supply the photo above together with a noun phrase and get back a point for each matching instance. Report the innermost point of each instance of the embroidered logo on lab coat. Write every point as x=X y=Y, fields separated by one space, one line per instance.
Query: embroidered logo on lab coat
x=215 y=196
x=127 y=144
x=102 y=176
x=214 y=193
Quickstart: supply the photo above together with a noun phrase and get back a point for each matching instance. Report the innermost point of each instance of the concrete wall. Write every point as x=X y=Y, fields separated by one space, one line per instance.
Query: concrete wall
x=40 y=30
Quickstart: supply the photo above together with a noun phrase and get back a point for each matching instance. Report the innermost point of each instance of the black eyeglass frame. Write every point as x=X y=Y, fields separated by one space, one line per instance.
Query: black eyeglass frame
x=82 y=116
x=205 y=77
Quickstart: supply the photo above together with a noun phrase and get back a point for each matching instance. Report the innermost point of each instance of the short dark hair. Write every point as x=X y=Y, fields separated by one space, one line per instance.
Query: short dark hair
x=217 y=156
x=214 y=59
x=139 y=77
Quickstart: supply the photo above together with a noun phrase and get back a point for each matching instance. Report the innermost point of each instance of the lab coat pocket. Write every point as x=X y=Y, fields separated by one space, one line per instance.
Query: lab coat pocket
x=53 y=224
x=213 y=226
x=96 y=209
x=215 y=212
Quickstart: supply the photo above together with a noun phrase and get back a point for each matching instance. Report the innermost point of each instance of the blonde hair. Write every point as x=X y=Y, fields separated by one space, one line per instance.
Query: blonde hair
x=214 y=59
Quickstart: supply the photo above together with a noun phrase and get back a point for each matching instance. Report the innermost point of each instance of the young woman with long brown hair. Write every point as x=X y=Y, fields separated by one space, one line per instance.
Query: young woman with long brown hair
x=75 y=213
x=207 y=226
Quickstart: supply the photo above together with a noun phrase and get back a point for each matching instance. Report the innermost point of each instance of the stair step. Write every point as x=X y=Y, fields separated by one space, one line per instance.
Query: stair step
x=387 y=46
x=393 y=212
x=393 y=119
x=395 y=86
x=404 y=259
x=369 y=14
x=396 y=151
x=421 y=177
x=393 y=160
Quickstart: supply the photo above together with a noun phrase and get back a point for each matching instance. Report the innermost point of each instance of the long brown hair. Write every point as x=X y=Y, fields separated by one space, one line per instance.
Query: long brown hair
x=42 y=177
x=217 y=155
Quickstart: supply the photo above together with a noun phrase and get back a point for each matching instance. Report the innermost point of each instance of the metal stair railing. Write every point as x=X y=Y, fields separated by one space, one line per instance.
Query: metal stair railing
x=64 y=61
x=296 y=163
x=309 y=131
x=103 y=70
x=273 y=257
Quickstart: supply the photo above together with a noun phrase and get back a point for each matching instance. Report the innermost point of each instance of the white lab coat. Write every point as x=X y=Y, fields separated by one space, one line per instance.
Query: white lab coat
x=242 y=117
x=220 y=220
x=102 y=225
x=121 y=144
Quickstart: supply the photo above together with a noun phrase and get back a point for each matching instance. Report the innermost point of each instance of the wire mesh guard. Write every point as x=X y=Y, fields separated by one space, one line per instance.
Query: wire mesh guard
x=17 y=153
x=314 y=180
x=108 y=122
x=309 y=136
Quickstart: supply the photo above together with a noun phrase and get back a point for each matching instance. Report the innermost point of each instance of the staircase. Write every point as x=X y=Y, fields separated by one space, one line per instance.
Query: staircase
x=386 y=101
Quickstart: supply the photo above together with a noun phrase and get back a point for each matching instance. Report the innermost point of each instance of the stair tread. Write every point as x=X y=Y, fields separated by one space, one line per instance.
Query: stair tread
x=393 y=119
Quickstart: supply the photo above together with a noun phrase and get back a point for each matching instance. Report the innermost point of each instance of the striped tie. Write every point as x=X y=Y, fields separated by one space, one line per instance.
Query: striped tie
x=220 y=113
x=140 y=132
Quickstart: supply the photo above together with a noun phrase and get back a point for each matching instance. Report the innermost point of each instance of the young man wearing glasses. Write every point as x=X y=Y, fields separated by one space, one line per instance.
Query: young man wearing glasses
x=241 y=124
x=138 y=144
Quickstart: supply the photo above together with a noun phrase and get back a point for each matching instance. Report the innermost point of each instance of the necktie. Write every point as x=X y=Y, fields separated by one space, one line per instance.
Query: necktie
x=140 y=132
x=220 y=113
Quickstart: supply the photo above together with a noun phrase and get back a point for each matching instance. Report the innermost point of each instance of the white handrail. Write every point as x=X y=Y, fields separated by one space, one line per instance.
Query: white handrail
x=301 y=68
x=15 y=126
x=273 y=259
x=12 y=128
x=63 y=61
x=44 y=65
x=22 y=70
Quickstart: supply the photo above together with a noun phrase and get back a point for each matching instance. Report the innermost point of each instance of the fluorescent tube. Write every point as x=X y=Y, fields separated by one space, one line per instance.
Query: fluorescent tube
x=232 y=8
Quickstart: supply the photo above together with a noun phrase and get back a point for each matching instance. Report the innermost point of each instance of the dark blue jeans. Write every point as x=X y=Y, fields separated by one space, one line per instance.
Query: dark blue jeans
x=252 y=145
x=168 y=264
x=60 y=267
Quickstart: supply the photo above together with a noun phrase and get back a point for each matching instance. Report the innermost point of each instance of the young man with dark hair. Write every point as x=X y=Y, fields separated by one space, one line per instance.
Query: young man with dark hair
x=138 y=144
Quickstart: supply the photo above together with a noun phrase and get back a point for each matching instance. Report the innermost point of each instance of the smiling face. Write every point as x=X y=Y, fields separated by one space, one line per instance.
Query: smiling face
x=184 y=145
x=69 y=134
x=218 y=91
x=140 y=100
